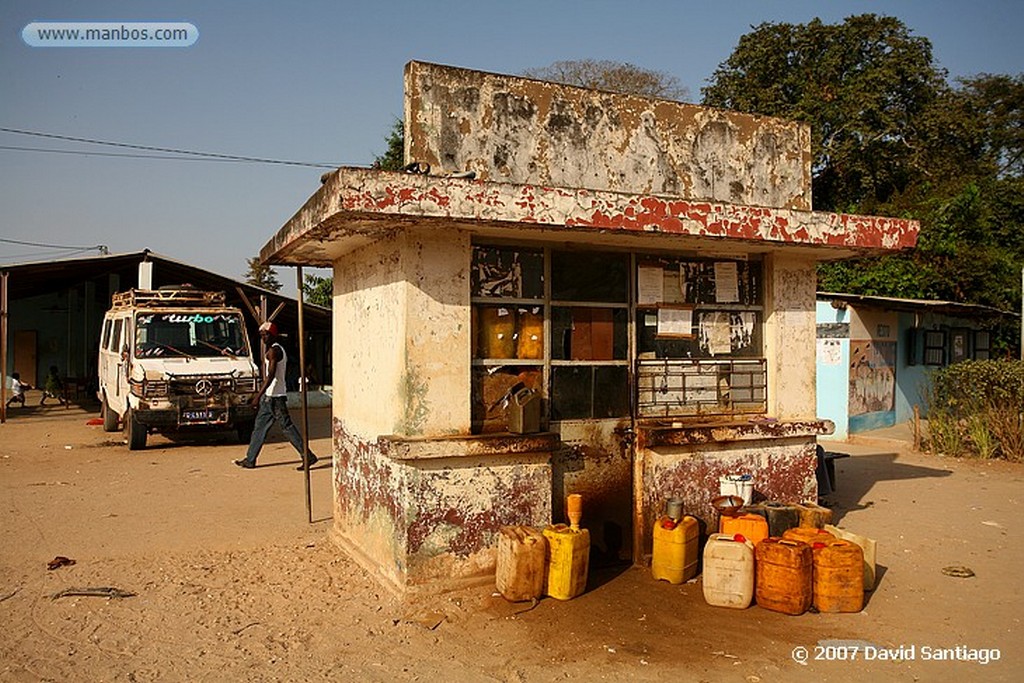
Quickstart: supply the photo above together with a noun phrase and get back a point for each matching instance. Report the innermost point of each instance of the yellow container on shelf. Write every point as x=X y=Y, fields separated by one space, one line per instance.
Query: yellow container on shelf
x=728 y=579
x=497 y=332
x=568 y=554
x=753 y=527
x=675 y=549
x=530 y=337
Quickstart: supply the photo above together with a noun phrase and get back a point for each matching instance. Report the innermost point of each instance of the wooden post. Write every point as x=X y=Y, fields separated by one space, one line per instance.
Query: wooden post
x=3 y=346
x=917 y=428
x=303 y=387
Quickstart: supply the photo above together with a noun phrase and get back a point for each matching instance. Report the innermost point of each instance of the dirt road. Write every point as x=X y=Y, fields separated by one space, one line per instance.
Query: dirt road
x=232 y=582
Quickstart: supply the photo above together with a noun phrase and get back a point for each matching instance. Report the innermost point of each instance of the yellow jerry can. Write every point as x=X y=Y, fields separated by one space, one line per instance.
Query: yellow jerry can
x=568 y=554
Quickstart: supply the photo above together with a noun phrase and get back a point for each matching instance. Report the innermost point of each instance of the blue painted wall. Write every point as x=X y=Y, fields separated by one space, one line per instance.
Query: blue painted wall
x=913 y=380
x=832 y=379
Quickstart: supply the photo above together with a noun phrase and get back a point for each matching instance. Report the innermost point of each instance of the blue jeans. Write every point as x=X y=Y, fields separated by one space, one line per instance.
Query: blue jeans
x=272 y=409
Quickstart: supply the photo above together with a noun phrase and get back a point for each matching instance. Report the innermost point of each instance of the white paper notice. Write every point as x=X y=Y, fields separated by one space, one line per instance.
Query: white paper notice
x=715 y=333
x=650 y=285
x=727 y=283
x=676 y=322
x=830 y=352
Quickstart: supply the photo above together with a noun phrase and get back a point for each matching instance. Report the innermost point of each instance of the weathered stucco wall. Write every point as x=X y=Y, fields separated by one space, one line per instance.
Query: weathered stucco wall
x=426 y=512
x=401 y=335
x=436 y=379
x=783 y=469
x=518 y=130
x=789 y=336
x=368 y=338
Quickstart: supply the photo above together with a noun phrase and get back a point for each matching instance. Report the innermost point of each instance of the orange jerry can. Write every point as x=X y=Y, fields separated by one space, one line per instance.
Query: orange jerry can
x=751 y=526
x=808 y=535
x=783 y=575
x=838 y=584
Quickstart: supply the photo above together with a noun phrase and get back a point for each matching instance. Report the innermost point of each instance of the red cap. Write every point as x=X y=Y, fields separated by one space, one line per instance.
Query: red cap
x=269 y=327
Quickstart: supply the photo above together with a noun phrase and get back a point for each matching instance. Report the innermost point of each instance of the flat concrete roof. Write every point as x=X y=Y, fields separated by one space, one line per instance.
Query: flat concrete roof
x=356 y=206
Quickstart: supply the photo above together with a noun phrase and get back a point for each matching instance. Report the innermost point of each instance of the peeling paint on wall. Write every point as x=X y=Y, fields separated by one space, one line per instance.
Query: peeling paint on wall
x=783 y=470
x=359 y=204
x=427 y=519
x=519 y=130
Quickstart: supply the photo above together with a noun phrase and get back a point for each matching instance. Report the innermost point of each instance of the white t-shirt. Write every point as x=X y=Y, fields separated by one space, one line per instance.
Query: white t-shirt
x=277 y=383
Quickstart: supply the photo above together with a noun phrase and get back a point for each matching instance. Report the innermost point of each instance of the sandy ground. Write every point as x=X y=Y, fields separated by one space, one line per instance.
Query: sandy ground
x=233 y=583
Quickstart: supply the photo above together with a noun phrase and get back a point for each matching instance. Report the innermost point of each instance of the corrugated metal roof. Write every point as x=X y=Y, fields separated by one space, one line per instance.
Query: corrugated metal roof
x=951 y=307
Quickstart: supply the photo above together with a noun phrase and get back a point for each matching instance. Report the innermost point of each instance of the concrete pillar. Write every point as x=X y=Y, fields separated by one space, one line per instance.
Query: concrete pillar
x=790 y=283
x=401 y=336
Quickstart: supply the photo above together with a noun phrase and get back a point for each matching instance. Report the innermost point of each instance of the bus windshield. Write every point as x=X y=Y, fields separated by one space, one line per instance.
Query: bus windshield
x=191 y=335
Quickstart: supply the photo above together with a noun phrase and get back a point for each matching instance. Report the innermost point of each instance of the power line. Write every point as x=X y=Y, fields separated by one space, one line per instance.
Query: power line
x=125 y=155
x=172 y=150
x=49 y=246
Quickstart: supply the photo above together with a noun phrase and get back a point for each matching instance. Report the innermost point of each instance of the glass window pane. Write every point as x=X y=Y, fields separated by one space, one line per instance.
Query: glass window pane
x=508 y=332
x=507 y=272
x=571 y=391
x=589 y=333
x=490 y=389
x=588 y=276
x=581 y=392
x=611 y=391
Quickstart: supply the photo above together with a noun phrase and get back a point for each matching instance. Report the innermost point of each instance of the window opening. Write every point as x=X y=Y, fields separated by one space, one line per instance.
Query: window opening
x=935 y=347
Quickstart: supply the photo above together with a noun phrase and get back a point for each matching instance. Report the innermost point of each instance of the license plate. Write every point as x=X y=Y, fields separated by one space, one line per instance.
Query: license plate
x=197 y=415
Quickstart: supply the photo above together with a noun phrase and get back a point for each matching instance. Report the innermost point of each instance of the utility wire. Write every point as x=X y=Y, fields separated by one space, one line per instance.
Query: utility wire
x=50 y=246
x=125 y=155
x=172 y=150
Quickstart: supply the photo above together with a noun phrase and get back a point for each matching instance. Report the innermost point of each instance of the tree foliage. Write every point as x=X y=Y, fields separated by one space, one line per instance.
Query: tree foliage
x=318 y=290
x=891 y=136
x=260 y=275
x=393 y=157
x=613 y=76
x=863 y=85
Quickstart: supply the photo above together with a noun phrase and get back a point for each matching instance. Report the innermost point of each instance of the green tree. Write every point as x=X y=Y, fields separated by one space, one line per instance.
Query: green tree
x=863 y=85
x=260 y=275
x=612 y=76
x=891 y=136
x=393 y=157
x=318 y=290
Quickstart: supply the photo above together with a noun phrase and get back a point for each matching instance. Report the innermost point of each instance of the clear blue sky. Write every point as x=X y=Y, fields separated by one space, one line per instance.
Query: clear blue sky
x=322 y=82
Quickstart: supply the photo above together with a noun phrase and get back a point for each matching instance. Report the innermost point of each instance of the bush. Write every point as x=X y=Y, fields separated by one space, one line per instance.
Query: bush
x=977 y=408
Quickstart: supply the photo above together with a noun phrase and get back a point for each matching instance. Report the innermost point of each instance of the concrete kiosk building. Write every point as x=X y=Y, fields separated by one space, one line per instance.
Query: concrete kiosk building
x=646 y=267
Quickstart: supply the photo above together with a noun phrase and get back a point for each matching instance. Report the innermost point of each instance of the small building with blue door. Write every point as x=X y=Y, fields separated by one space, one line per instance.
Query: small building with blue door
x=875 y=355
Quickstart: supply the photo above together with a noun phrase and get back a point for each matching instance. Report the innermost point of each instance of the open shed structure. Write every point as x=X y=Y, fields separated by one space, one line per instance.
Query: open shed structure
x=53 y=311
x=646 y=267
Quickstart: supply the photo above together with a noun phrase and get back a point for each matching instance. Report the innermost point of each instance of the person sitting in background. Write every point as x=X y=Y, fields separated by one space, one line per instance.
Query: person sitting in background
x=53 y=387
x=17 y=390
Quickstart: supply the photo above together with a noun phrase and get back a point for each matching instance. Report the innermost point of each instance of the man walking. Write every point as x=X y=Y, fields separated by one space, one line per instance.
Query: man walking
x=272 y=399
